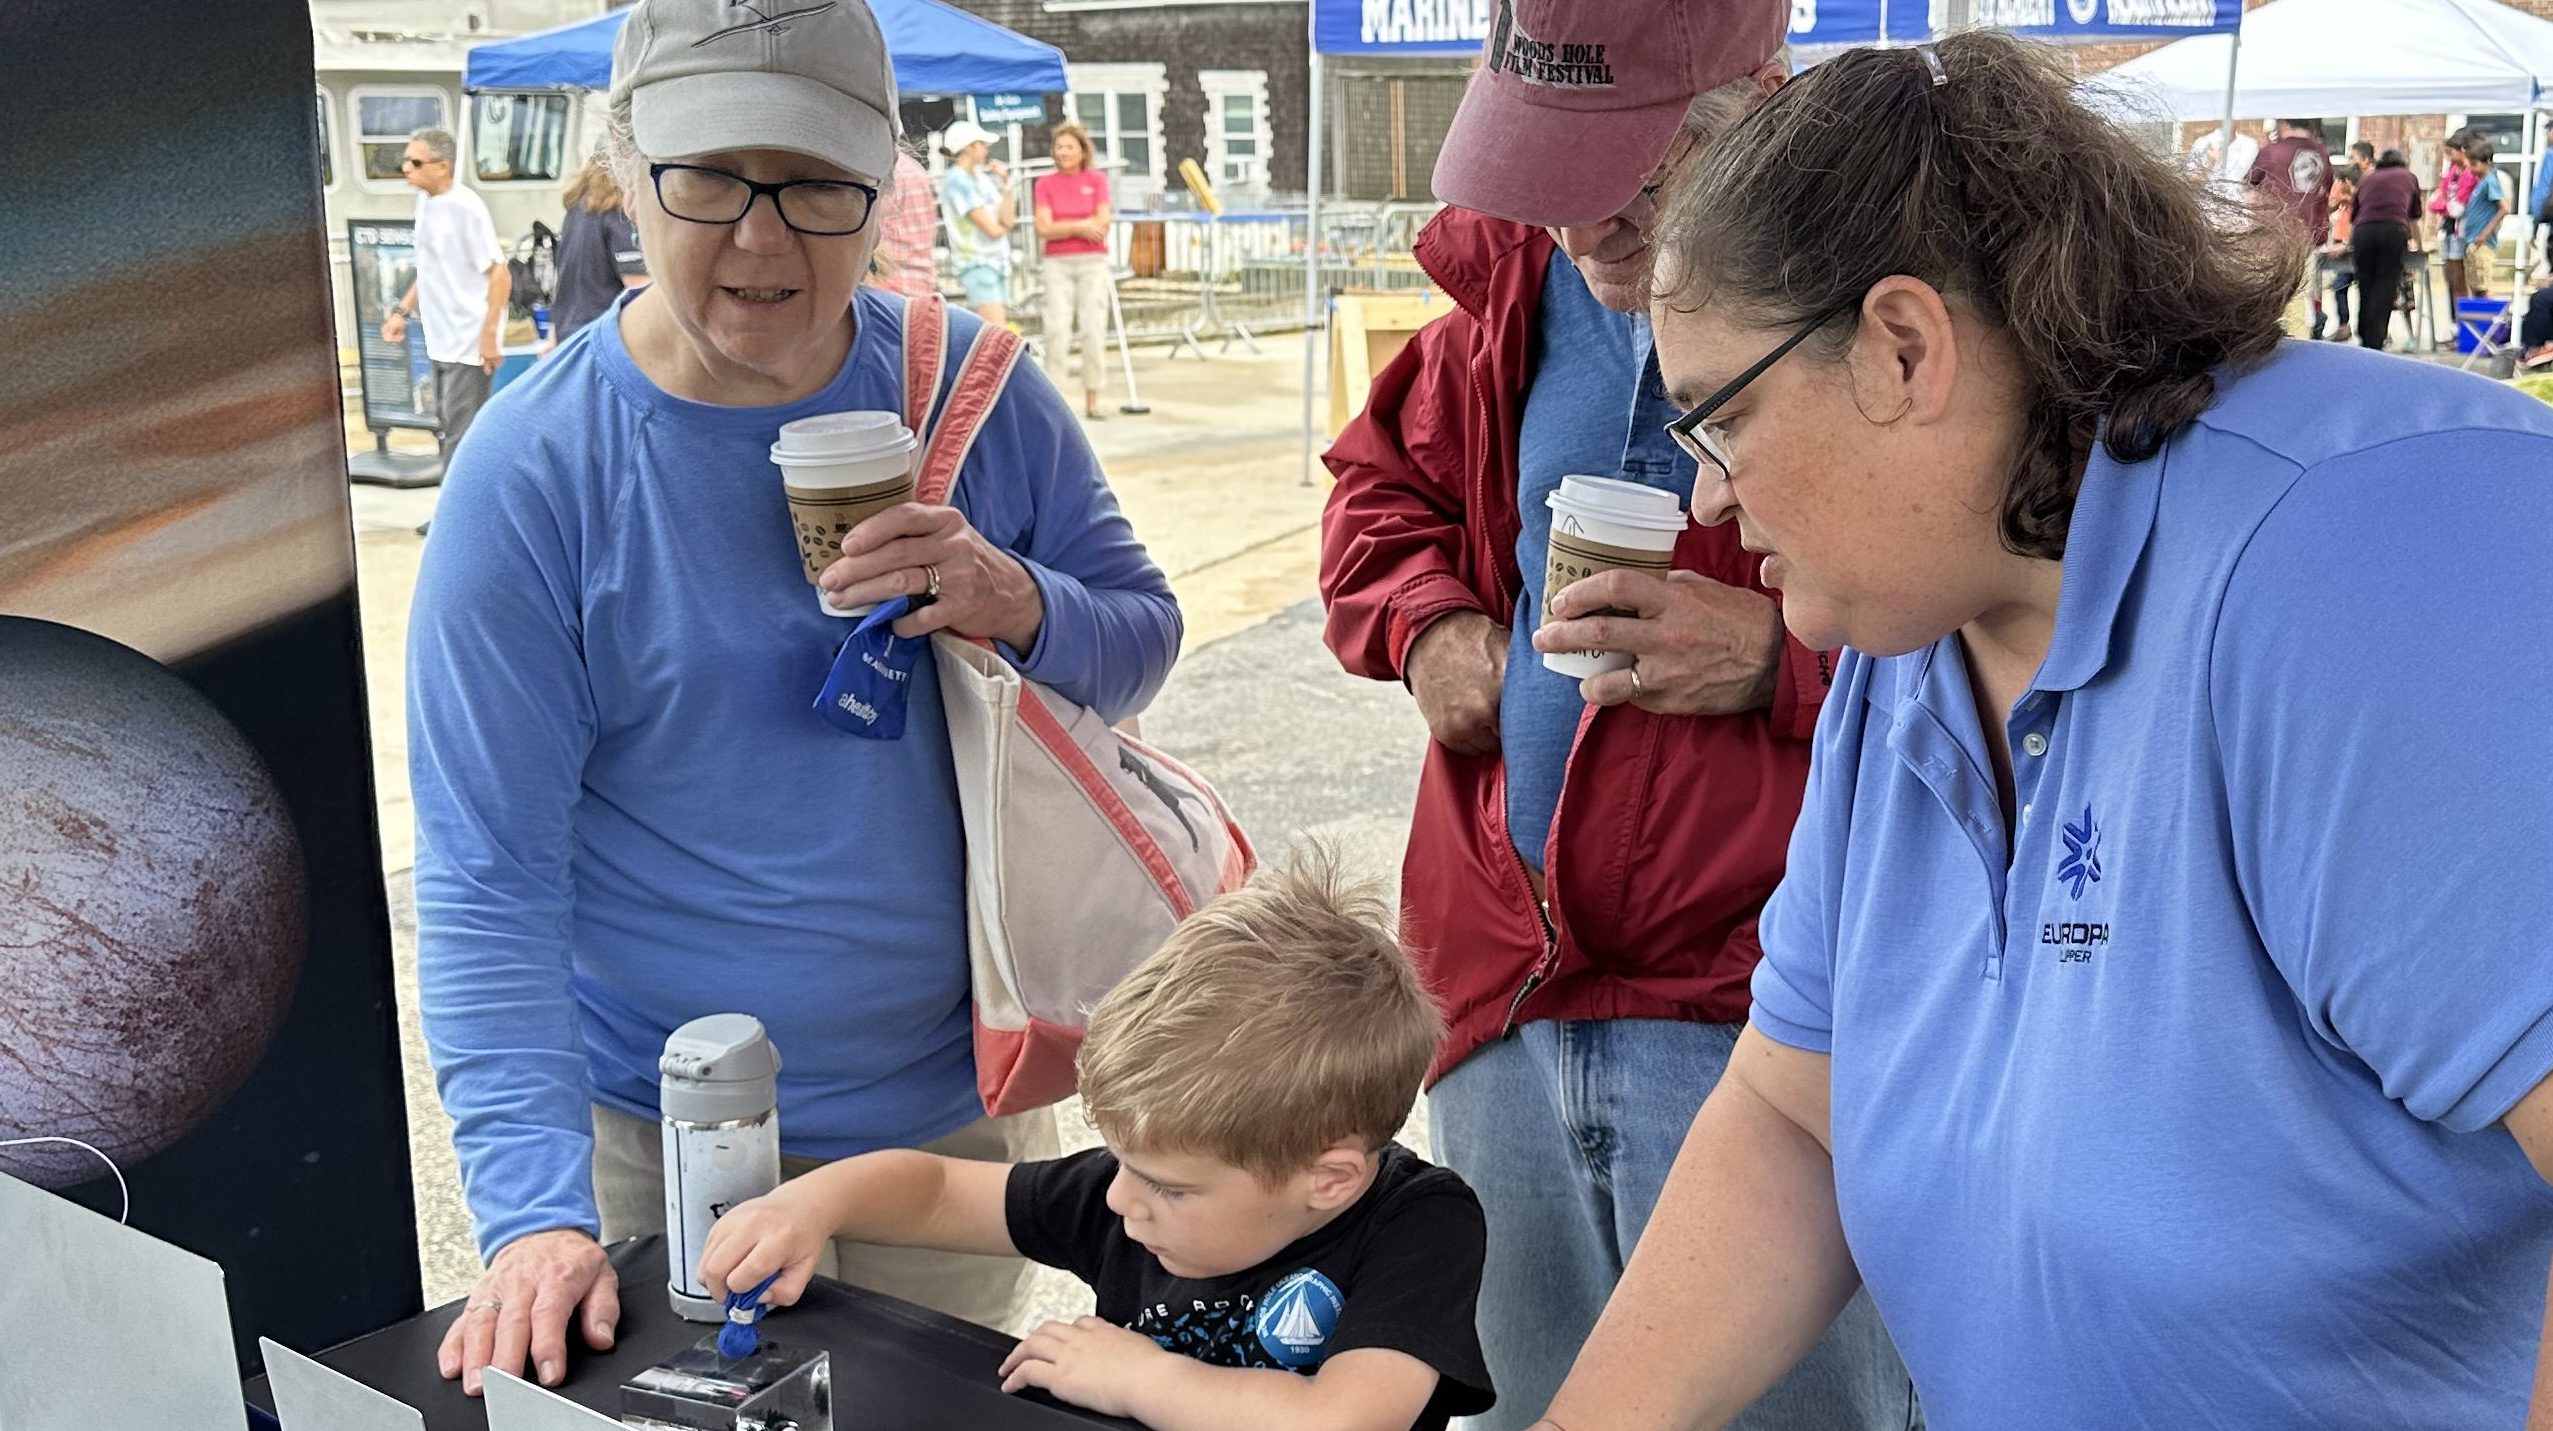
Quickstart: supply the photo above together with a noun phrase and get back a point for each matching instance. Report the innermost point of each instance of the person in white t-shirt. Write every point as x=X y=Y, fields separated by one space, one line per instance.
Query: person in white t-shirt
x=461 y=288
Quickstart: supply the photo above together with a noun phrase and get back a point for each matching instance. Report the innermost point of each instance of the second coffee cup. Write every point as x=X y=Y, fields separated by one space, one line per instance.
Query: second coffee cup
x=1601 y=524
x=839 y=470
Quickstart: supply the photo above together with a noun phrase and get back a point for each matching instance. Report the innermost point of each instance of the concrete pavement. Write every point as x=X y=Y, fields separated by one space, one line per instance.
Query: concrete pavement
x=1211 y=479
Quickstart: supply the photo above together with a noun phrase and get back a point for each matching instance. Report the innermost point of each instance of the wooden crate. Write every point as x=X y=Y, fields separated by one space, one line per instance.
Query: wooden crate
x=1368 y=328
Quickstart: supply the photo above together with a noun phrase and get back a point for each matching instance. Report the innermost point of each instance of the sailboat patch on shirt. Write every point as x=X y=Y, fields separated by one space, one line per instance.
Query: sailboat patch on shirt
x=1296 y=1317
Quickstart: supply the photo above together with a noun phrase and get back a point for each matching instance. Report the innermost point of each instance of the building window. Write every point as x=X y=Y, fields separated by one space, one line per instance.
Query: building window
x=1121 y=107
x=2507 y=133
x=518 y=138
x=327 y=150
x=1237 y=140
x=384 y=118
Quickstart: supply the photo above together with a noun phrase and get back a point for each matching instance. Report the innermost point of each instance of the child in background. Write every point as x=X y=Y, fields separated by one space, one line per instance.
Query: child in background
x=1264 y=1254
x=2486 y=203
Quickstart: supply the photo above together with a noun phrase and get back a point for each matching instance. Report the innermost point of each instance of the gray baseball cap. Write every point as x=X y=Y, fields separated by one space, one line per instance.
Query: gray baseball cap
x=809 y=76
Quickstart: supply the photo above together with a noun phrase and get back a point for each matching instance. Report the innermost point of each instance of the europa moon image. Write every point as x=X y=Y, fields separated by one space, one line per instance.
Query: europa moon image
x=152 y=903
x=196 y=969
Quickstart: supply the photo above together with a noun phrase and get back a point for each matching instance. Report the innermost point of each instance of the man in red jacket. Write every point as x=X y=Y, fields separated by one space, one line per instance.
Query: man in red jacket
x=1586 y=862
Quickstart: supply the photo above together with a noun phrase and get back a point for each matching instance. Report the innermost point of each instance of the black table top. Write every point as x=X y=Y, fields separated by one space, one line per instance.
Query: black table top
x=896 y=1366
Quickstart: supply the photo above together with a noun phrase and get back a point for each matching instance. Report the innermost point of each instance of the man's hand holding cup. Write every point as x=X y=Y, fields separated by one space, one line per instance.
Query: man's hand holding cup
x=1697 y=646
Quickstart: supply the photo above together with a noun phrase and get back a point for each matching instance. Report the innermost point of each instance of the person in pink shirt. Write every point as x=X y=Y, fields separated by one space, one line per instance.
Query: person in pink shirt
x=2456 y=182
x=1072 y=221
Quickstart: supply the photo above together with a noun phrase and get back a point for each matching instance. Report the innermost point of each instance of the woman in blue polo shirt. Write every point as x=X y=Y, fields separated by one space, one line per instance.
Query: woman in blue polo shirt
x=2154 y=1012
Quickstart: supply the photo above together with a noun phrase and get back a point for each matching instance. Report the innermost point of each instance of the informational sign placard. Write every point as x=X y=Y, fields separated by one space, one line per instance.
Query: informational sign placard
x=398 y=380
x=1402 y=27
x=992 y=109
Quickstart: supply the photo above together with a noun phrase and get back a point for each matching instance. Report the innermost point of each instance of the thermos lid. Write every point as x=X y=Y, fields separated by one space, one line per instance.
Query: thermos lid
x=719 y=1069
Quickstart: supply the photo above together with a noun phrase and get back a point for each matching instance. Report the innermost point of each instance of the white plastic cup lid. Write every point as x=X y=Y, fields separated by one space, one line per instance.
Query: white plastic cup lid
x=842 y=437
x=1628 y=504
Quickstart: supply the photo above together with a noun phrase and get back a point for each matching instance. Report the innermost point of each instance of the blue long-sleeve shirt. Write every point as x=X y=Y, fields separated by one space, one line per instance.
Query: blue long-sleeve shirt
x=628 y=815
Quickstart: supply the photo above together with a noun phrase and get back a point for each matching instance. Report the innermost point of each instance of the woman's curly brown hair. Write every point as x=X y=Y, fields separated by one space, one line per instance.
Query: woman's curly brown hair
x=2120 y=284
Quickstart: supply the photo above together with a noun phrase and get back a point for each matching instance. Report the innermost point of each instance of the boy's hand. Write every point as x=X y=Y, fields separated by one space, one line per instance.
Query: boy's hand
x=1090 y=1362
x=772 y=1233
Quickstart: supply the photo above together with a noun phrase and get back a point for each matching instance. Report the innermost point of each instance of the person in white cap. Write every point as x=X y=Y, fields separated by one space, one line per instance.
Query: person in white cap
x=628 y=815
x=1587 y=859
x=975 y=199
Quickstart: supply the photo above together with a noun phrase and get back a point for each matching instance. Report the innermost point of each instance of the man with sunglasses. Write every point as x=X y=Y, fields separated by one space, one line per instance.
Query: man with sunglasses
x=1587 y=859
x=461 y=288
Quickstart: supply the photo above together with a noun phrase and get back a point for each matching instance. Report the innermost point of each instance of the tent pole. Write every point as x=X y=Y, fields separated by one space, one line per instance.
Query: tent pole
x=2225 y=130
x=1311 y=241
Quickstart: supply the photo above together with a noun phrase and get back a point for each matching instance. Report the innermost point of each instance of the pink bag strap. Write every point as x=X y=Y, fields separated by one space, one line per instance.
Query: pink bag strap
x=926 y=338
x=980 y=380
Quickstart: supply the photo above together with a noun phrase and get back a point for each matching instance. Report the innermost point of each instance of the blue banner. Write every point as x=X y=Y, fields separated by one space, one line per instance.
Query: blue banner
x=1401 y=27
x=1906 y=22
x=1853 y=22
x=2089 y=21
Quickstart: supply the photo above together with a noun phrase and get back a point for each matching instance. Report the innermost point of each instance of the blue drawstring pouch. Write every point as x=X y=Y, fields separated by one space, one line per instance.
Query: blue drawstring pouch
x=872 y=675
x=740 y=1337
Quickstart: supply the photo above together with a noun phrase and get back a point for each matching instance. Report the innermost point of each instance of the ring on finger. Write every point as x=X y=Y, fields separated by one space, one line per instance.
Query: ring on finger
x=931 y=591
x=490 y=1305
x=1636 y=688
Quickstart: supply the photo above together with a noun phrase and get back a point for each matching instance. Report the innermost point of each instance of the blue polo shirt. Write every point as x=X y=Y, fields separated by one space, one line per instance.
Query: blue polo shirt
x=2183 y=1115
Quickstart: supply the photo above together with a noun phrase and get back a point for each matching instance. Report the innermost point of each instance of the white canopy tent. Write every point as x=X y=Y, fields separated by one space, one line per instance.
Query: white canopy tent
x=2336 y=57
x=2314 y=58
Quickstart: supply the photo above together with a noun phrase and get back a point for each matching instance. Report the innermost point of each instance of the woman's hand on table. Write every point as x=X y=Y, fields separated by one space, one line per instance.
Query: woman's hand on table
x=984 y=592
x=520 y=1310
x=772 y=1233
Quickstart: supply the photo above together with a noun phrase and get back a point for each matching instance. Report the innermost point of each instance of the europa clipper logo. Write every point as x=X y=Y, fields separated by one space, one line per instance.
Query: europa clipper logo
x=2081 y=866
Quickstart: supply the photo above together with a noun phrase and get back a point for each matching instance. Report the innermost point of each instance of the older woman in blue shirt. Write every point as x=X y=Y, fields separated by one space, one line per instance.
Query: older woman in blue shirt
x=2156 y=1011
x=628 y=813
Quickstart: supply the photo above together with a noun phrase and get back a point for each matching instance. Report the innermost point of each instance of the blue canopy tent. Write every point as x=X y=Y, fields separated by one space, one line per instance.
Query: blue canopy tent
x=938 y=50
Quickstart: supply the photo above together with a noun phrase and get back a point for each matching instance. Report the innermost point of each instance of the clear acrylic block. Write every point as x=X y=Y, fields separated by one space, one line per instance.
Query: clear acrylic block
x=778 y=1388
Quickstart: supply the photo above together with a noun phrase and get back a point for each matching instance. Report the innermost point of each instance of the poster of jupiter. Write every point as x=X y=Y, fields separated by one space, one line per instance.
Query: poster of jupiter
x=195 y=975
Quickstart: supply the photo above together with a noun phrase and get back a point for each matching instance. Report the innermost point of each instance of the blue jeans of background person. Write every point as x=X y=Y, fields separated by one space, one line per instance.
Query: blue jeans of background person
x=1566 y=1131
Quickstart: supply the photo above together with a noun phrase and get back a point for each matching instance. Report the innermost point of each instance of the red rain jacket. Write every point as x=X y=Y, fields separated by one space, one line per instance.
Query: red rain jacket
x=1671 y=830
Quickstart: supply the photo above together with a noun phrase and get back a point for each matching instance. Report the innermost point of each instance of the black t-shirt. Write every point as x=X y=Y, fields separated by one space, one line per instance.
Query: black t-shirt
x=1398 y=1270
x=594 y=252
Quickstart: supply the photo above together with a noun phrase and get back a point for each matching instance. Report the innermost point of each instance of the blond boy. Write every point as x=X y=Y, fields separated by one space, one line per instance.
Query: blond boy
x=1263 y=1253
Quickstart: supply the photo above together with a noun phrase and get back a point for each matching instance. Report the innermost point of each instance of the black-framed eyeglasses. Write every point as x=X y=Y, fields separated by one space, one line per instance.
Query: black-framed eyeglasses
x=1709 y=446
x=821 y=208
x=418 y=163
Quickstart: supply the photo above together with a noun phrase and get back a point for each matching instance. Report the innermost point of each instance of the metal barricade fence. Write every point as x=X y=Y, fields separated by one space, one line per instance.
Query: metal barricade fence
x=1187 y=277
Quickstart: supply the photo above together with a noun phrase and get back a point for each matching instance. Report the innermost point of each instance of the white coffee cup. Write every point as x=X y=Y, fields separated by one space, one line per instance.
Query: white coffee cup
x=1603 y=524
x=839 y=470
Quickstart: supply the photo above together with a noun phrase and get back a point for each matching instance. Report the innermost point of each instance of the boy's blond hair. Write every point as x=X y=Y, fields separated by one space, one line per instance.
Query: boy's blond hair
x=1276 y=1021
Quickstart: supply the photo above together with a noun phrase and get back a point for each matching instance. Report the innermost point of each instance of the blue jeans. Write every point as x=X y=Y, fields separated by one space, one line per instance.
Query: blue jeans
x=1566 y=1131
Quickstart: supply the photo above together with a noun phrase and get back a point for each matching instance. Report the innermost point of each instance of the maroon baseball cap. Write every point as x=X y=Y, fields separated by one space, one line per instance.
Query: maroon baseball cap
x=1575 y=101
